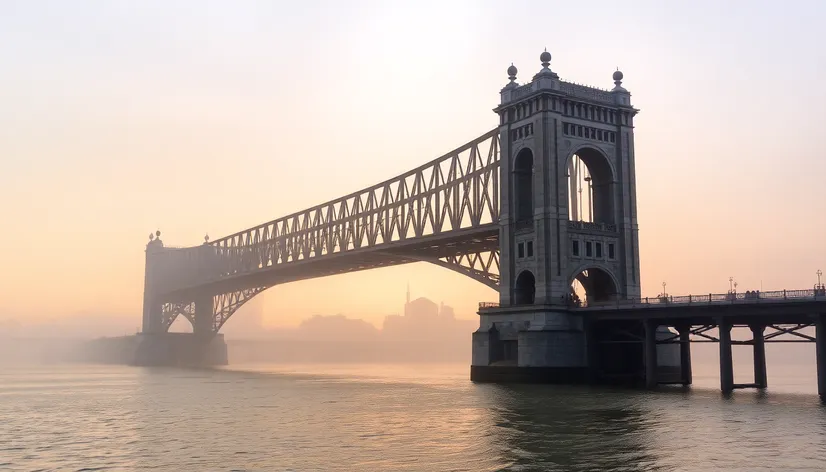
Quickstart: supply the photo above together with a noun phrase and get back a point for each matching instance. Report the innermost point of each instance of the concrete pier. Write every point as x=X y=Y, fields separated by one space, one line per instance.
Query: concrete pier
x=685 y=354
x=530 y=345
x=820 y=343
x=726 y=364
x=759 y=346
x=536 y=345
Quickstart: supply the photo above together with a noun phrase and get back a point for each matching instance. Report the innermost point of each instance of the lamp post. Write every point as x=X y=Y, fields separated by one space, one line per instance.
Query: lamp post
x=730 y=286
x=819 y=273
x=664 y=294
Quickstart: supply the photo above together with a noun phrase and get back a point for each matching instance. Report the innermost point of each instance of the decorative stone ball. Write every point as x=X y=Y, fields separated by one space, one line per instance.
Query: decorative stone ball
x=512 y=71
x=617 y=76
x=545 y=57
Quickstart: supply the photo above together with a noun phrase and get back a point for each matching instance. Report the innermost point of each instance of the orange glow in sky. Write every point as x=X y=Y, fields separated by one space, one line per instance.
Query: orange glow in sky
x=122 y=118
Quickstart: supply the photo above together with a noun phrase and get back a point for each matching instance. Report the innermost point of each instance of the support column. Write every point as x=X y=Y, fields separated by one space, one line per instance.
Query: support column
x=820 y=342
x=760 y=377
x=203 y=315
x=650 y=349
x=726 y=365
x=685 y=354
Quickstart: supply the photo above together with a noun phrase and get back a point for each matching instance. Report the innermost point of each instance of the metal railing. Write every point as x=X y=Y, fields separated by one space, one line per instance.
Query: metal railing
x=755 y=296
x=704 y=299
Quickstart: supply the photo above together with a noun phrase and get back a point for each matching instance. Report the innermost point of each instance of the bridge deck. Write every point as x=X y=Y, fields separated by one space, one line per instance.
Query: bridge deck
x=427 y=248
x=782 y=306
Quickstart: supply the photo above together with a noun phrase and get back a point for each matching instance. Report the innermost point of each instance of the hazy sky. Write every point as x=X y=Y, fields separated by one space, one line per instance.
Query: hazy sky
x=119 y=118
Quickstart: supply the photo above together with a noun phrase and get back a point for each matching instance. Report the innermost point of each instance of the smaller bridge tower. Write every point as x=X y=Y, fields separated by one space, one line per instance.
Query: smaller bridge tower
x=567 y=226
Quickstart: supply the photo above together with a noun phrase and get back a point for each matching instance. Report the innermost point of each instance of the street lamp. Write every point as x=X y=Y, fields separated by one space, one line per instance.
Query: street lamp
x=664 y=294
x=819 y=273
x=730 y=286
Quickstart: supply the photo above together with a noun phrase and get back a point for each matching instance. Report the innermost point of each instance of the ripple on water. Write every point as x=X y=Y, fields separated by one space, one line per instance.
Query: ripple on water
x=369 y=420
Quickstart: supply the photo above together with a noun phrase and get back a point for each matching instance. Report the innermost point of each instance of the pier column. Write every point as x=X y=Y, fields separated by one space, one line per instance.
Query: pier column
x=726 y=365
x=203 y=315
x=685 y=354
x=760 y=377
x=820 y=343
x=650 y=354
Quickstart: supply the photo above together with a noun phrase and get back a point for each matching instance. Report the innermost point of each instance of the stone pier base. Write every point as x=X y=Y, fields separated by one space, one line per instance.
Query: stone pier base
x=537 y=344
x=180 y=349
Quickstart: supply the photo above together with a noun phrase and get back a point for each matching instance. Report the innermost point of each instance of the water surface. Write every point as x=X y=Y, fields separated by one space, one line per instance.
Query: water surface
x=394 y=418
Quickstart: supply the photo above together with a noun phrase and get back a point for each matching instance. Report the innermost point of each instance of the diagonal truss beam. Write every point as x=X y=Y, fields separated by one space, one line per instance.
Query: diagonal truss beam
x=481 y=265
x=225 y=304
x=171 y=311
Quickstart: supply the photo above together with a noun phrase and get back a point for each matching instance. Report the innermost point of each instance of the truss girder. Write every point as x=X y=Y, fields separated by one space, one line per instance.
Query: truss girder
x=225 y=304
x=480 y=265
x=171 y=311
x=456 y=192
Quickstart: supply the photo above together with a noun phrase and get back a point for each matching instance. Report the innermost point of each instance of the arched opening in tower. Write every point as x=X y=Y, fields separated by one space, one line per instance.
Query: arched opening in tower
x=593 y=286
x=590 y=187
x=524 y=291
x=523 y=185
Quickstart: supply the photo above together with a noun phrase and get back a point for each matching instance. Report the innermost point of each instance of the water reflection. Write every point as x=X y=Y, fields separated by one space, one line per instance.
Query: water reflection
x=389 y=418
x=563 y=428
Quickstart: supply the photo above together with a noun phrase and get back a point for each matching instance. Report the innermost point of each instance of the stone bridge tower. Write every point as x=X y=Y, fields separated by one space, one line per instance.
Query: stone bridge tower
x=568 y=221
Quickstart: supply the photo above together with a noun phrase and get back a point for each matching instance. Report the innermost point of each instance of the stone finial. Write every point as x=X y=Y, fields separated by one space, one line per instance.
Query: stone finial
x=545 y=72
x=512 y=73
x=206 y=238
x=617 y=77
x=618 y=81
x=158 y=234
x=545 y=57
x=151 y=237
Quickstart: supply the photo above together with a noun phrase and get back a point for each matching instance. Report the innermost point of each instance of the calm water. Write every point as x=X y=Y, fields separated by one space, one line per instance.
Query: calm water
x=395 y=418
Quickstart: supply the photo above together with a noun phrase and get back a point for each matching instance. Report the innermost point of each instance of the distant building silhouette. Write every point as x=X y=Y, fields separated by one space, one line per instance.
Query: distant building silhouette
x=424 y=319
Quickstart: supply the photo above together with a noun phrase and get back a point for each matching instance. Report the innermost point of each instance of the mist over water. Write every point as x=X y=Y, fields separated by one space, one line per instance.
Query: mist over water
x=411 y=417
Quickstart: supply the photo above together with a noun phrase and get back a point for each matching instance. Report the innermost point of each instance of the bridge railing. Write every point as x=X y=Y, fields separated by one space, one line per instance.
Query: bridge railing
x=755 y=296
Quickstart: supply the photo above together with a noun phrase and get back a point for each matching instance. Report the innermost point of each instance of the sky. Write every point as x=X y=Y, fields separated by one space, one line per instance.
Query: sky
x=120 y=118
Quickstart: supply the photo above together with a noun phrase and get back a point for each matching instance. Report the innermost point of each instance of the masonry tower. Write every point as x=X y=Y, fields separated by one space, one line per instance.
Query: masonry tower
x=568 y=223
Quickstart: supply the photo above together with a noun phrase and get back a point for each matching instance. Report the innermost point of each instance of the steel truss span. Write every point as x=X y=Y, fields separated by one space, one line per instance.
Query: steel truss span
x=445 y=212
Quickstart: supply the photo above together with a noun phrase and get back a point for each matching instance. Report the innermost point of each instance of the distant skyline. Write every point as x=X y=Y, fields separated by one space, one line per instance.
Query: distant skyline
x=120 y=118
x=249 y=322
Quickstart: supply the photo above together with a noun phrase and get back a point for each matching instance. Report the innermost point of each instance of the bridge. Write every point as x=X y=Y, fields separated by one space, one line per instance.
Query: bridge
x=541 y=208
x=445 y=212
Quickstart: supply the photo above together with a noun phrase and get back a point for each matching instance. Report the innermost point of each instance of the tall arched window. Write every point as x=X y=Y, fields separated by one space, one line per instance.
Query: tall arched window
x=524 y=289
x=590 y=187
x=523 y=185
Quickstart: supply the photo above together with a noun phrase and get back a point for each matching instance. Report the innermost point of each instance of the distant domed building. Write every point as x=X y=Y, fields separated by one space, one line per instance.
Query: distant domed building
x=424 y=318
